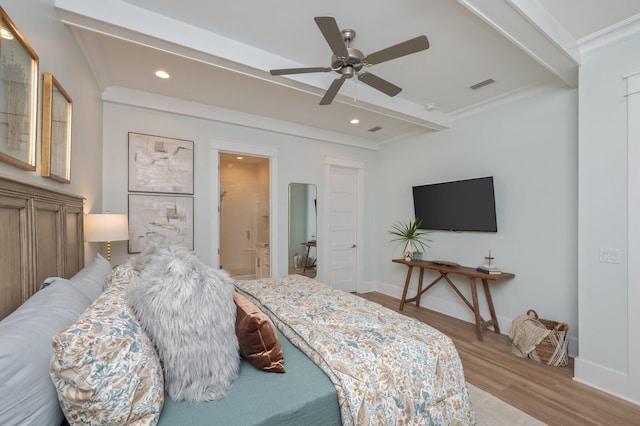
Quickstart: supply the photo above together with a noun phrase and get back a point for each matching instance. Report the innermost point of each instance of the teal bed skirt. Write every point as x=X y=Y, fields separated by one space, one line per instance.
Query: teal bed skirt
x=303 y=395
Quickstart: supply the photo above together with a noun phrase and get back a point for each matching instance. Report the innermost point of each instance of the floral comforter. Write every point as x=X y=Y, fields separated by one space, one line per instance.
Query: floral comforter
x=387 y=368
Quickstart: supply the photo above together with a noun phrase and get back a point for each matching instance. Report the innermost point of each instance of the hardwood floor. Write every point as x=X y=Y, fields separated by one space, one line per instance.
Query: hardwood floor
x=546 y=393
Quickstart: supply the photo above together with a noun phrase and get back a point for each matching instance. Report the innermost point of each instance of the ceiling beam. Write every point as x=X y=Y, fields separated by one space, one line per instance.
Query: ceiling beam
x=152 y=101
x=530 y=27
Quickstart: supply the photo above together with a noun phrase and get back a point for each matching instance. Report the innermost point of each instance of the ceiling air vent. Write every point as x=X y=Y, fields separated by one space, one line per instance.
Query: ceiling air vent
x=375 y=129
x=482 y=84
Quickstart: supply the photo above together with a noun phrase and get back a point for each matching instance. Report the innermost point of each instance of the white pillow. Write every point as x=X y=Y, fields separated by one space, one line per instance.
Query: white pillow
x=187 y=309
x=90 y=279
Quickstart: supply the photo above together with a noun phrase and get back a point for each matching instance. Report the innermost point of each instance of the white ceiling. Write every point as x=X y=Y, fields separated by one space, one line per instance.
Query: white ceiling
x=219 y=53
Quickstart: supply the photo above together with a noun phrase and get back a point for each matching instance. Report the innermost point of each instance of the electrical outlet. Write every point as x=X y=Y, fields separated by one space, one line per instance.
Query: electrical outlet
x=609 y=255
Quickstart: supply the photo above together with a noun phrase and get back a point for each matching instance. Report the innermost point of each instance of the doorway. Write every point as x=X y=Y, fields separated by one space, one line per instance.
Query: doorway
x=345 y=213
x=244 y=215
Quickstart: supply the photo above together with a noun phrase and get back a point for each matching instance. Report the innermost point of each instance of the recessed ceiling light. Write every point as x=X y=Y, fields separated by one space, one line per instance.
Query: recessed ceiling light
x=239 y=157
x=355 y=121
x=162 y=74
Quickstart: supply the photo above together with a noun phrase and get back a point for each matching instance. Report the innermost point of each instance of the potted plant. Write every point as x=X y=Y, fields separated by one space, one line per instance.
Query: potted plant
x=410 y=234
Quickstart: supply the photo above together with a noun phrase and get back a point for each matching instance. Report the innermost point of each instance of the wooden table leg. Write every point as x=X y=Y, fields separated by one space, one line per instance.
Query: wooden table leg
x=306 y=259
x=406 y=287
x=476 y=307
x=494 y=318
x=419 y=294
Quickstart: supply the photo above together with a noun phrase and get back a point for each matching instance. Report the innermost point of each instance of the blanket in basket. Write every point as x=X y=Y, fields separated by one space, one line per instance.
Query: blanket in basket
x=387 y=368
x=526 y=332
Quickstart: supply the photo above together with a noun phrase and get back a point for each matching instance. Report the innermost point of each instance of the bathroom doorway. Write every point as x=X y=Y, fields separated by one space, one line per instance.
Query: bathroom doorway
x=244 y=215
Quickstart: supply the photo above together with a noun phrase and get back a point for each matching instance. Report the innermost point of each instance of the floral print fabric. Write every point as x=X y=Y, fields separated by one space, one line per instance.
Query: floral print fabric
x=387 y=368
x=104 y=367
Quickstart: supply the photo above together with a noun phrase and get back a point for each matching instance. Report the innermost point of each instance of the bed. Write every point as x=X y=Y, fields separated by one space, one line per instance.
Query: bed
x=303 y=395
x=348 y=360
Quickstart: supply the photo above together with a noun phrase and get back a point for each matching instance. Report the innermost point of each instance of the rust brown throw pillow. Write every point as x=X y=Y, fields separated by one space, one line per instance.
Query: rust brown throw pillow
x=257 y=336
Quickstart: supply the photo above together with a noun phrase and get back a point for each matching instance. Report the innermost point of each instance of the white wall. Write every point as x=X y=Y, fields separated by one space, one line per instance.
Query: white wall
x=59 y=55
x=530 y=148
x=605 y=334
x=299 y=160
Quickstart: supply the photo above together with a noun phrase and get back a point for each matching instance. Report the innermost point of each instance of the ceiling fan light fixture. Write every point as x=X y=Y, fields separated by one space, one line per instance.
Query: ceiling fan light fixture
x=347 y=72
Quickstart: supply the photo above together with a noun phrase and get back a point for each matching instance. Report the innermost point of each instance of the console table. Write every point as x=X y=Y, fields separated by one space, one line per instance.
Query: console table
x=463 y=271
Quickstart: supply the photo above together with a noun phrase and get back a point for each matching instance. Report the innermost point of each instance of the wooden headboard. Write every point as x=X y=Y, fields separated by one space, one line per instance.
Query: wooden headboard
x=41 y=235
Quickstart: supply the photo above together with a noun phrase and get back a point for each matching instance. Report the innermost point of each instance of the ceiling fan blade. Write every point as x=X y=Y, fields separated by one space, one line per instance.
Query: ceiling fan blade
x=331 y=33
x=285 y=71
x=332 y=91
x=378 y=83
x=401 y=49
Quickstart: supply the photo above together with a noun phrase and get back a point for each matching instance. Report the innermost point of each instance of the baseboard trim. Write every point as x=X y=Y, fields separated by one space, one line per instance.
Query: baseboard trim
x=607 y=380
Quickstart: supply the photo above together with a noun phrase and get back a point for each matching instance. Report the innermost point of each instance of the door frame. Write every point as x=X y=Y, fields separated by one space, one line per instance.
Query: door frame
x=330 y=161
x=633 y=233
x=217 y=145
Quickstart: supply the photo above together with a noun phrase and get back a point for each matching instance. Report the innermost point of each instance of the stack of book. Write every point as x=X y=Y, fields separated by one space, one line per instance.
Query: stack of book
x=489 y=269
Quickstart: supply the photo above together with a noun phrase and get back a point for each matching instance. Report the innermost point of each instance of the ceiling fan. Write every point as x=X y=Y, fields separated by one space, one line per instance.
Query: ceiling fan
x=349 y=62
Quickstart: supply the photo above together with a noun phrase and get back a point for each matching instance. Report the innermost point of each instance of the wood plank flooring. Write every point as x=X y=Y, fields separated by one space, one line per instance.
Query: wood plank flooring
x=546 y=393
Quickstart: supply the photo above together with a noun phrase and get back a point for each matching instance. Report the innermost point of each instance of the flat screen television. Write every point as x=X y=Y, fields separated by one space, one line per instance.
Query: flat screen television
x=463 y=205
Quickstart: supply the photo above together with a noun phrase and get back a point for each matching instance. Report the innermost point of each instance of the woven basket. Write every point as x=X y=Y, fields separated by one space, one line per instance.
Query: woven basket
x=553 y=349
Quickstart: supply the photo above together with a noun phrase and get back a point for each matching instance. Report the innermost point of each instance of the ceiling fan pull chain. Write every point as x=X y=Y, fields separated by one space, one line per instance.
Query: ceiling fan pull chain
x=355 y=91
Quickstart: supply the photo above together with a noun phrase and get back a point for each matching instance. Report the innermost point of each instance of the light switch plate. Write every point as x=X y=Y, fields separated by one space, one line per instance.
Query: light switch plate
x=609 y=255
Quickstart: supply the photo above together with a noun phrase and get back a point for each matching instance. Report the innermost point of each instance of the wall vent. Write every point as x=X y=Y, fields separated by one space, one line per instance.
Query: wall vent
x=482 y=84
x=375 y=129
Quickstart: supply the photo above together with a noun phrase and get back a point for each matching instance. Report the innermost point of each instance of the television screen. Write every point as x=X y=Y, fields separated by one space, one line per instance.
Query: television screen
x=464 y=205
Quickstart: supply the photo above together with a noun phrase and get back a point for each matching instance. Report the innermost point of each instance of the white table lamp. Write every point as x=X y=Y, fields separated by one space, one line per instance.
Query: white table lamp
x=106 y=227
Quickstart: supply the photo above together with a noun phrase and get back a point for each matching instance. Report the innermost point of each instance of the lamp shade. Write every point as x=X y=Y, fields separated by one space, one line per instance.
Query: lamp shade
x=106 y=227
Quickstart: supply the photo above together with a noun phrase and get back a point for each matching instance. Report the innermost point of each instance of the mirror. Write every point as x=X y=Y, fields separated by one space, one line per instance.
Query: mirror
x=302 y=229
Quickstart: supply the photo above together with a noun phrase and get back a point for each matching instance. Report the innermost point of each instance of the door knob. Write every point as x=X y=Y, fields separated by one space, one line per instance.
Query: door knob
x=353 y=246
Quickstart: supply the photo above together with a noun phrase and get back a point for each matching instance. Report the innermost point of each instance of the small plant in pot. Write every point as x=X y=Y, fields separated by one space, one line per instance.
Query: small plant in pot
x=413 y=238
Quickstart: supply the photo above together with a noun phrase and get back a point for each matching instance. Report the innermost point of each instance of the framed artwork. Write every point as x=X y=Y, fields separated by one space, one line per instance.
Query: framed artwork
x=165 y=215
x=18 y=97
x=56 y=130
x=158 y=164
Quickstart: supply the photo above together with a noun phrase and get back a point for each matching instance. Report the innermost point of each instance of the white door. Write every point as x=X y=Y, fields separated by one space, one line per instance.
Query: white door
x=343 y=201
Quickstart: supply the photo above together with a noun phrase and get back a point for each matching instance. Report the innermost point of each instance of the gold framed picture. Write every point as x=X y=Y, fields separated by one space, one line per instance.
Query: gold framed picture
x=57 y=110
x=18 y=97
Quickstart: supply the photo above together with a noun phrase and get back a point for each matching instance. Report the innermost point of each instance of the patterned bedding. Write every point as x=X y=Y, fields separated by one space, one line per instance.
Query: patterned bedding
x=387 y=368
